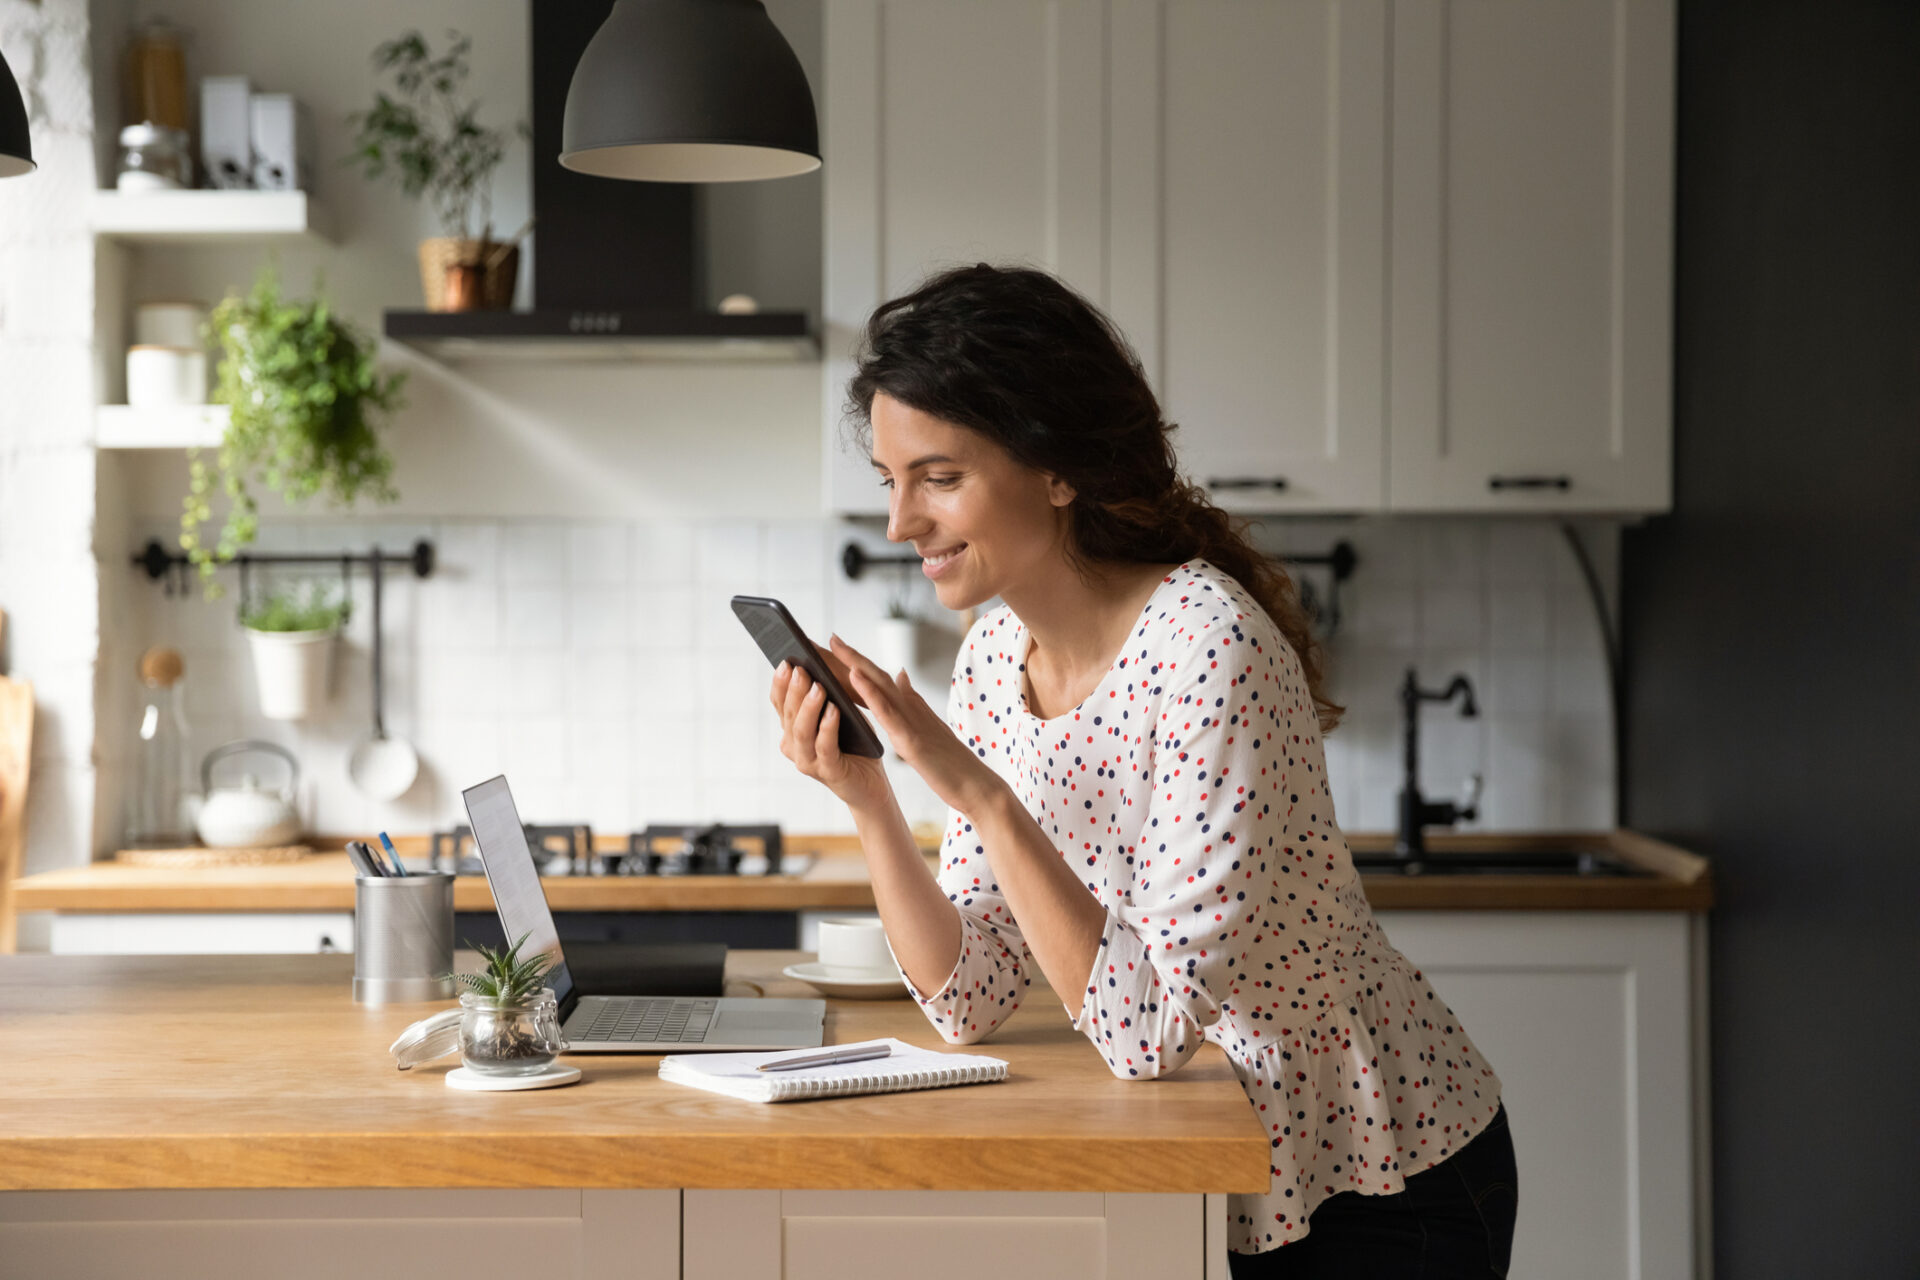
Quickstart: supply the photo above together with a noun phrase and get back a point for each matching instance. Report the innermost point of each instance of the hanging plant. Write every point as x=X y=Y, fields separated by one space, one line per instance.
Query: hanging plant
x=307 y=401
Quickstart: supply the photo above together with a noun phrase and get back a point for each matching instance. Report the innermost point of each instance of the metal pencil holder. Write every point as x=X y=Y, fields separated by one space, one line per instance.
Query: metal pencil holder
x=403 y=938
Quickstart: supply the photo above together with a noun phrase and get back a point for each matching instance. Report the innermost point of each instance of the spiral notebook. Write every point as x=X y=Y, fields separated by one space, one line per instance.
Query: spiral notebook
x=734 y=1074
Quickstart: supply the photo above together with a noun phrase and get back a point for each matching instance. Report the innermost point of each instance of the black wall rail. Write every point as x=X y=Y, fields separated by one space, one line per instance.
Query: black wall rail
x=1340 y=563
x=171 y=567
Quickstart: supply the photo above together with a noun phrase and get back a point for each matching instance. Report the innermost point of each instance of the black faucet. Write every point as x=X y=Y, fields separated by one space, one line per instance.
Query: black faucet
x=1416 y=813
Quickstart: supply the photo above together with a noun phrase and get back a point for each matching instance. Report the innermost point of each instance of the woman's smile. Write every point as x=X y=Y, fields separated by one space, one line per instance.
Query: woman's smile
x=936 y=563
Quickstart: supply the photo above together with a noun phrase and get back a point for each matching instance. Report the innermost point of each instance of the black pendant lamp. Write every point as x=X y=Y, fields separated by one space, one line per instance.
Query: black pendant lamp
x=689 y=91
x=16 y=148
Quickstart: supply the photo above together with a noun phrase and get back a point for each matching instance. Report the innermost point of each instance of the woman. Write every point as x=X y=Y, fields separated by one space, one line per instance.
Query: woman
x=1132 y=756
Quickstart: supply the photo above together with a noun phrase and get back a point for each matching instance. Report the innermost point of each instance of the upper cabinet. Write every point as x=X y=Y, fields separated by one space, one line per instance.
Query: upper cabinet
x=1374 y=256
x=1532 y=233
x=952 y=133
x=1248 y=212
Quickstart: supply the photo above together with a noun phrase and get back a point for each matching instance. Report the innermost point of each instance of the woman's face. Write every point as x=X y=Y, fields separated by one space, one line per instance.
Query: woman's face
x=982 y=522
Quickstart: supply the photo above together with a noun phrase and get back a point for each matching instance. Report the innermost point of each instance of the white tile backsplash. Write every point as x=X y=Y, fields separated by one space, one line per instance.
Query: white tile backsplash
x=599 y=665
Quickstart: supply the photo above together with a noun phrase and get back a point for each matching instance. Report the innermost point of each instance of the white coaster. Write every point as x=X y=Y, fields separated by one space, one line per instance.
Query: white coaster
x=462 y=1078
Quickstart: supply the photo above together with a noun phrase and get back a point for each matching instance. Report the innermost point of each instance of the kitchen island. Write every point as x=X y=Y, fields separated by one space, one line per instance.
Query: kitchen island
x=168 y=1112
x=1588 y=995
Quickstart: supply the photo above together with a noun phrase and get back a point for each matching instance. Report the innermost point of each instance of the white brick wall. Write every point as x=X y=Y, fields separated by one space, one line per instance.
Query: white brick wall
x=48 y=579
x=599 y=665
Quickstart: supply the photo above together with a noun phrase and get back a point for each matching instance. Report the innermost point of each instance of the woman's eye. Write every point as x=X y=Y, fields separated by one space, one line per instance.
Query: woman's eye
x=943 y=482
x=886 y=482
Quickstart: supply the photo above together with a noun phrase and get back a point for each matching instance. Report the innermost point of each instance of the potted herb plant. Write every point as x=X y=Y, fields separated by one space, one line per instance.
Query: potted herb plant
x=307 y=402
x=429 y=139
x=291 y=633
x=509 y=1022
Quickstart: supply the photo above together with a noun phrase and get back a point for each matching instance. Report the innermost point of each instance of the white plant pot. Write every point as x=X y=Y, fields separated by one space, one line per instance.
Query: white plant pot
x=293 y=671
x=894 y=643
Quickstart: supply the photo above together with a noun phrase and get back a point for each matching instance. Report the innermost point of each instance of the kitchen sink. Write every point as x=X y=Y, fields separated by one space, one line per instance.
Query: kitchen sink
x=1455 y=861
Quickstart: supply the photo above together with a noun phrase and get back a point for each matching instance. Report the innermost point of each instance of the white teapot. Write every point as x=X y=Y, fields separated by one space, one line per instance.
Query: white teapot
x=248 y=816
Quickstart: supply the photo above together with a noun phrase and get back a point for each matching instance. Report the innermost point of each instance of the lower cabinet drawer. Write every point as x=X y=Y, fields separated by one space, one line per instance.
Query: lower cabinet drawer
x=193 y=933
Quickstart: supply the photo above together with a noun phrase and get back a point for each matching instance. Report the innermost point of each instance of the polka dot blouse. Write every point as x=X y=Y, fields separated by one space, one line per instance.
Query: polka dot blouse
x=1189 y=794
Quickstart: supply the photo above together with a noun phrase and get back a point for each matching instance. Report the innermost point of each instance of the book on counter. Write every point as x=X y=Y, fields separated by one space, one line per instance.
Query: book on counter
x=738 y=1075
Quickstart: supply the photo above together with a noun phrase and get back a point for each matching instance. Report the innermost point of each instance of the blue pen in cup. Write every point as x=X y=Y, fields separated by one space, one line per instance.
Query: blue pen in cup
x=400 y=868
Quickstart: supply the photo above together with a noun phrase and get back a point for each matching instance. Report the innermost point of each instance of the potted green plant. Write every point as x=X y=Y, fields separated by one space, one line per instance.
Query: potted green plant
x=429 y=139
x=307 y=402
x=291 y=632
x=509 y=1022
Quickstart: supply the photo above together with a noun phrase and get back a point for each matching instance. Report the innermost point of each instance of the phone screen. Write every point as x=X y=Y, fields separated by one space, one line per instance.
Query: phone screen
x=782 y=640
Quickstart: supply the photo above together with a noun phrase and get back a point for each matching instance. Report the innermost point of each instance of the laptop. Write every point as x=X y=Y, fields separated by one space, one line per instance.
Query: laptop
x=618 y=1023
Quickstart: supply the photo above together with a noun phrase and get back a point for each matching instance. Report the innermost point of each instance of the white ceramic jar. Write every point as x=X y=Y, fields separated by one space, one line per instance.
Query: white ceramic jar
x=163 y=376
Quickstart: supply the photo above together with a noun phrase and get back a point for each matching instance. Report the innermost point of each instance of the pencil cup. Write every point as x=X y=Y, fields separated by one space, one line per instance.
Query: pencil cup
x=403 y=938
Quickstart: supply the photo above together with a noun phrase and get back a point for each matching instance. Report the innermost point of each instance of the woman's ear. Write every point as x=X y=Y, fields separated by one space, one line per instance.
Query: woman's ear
x=1059 y=492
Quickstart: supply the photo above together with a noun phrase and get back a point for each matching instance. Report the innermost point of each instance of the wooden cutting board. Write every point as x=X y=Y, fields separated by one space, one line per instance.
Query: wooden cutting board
x=16 y=753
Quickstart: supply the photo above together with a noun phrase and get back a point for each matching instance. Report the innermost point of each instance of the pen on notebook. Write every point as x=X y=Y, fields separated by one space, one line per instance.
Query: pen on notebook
x=857 y=1053
x=399 y=867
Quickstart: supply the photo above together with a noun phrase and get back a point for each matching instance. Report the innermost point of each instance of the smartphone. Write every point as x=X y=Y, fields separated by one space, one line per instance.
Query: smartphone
x=782 y=640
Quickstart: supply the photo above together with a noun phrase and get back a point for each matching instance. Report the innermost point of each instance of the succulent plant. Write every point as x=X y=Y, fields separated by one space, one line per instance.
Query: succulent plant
x=508 y=976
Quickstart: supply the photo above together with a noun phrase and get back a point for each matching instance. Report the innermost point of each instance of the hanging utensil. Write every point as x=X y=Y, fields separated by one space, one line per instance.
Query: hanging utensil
x=383 y=768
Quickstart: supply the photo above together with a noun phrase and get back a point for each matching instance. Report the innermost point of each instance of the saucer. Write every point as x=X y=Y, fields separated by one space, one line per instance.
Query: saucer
x=849 y=984
x=555 y=1074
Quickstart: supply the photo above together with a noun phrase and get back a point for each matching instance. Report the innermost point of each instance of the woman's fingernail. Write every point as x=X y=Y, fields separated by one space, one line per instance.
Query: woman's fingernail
x=813 y=693
x=834 y=638
x=781 y=669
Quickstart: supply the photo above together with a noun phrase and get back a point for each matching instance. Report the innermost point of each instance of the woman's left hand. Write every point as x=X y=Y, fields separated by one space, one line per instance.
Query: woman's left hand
x=919 y=735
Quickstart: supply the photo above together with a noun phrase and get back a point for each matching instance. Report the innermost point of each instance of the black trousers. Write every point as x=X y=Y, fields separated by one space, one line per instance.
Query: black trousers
x=1454 y=1220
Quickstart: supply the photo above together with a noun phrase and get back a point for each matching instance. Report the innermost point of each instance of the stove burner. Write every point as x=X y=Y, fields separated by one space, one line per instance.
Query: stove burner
x=708 y=850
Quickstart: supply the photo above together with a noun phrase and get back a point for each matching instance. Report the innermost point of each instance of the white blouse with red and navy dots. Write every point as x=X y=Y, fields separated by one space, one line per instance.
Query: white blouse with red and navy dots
x=1189 y=793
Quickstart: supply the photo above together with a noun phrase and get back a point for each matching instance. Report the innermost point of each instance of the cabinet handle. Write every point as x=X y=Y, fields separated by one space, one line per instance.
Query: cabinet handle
x=1247 y=482
x=1562 y=483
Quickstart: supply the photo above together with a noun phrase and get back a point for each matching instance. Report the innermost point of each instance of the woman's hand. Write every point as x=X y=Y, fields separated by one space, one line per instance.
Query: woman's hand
x=919 y=735
x=810 y=737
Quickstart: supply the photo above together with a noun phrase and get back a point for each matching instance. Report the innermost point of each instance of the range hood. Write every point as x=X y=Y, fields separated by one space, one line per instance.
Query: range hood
x=616 y=273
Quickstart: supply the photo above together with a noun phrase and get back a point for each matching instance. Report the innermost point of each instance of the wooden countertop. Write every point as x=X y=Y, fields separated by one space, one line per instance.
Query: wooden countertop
x=837 y=880
x=136 y=1072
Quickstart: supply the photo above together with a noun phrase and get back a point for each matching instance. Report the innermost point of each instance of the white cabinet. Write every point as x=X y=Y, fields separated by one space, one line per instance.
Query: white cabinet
x=1595 y=1023
x=1249 y=222
x=951 y=1235
x=953 y=133
x=1531 y=246
x=1394 y=254
x=195 y=933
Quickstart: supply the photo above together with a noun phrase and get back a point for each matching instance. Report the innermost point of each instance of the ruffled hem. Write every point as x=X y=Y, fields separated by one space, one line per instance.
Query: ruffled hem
x=1366 y=1100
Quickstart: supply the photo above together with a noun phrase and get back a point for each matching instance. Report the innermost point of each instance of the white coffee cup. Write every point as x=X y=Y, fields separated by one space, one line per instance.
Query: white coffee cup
x=855 y=946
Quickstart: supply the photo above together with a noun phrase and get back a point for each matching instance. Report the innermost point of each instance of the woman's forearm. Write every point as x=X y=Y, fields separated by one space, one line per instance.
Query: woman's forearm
x=1060 y=920
x=923 y=927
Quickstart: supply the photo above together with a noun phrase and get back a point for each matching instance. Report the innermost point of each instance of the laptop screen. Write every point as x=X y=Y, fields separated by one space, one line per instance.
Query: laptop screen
x=515 y=880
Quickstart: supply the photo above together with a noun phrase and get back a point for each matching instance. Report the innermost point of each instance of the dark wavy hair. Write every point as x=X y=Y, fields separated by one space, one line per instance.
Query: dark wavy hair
x=1021 y=358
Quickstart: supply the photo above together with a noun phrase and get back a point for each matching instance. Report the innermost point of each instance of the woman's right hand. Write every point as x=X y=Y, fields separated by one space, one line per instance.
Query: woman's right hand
x=810 y=737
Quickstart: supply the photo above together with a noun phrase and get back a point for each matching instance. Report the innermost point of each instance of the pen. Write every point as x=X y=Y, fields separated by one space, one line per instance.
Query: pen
x=854 y=1053
x=393 y=853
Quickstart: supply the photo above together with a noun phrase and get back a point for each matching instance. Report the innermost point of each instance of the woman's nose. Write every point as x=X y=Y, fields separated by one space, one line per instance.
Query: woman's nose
x=903 y=521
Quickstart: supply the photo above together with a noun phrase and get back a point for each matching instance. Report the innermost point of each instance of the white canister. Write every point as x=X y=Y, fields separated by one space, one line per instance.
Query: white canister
x=292 y=670
x=169 y=324
x=162 y=376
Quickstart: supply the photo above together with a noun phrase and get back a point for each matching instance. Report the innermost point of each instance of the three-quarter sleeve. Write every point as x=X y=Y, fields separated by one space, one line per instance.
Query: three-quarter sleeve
x=1167 y=953
x=992 y=972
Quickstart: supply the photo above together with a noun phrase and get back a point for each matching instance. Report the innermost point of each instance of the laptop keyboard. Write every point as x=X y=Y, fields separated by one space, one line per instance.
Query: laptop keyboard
x=651 y=1019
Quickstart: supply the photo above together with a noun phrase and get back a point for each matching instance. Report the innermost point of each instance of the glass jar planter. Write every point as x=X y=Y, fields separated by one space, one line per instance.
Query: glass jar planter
x=510 y=1037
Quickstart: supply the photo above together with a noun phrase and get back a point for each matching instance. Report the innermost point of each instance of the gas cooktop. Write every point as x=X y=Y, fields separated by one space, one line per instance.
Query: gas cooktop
x=661 y=849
